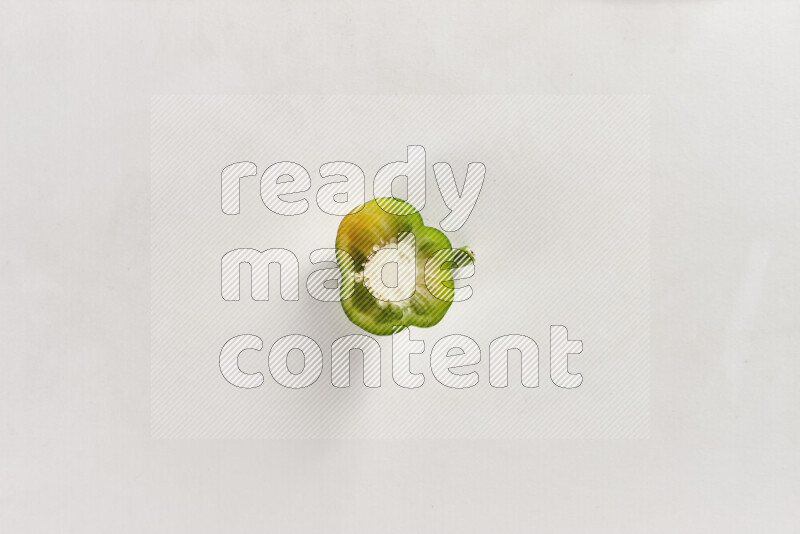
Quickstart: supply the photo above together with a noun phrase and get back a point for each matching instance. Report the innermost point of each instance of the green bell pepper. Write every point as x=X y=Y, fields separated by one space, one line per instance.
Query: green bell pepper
x=389 y=229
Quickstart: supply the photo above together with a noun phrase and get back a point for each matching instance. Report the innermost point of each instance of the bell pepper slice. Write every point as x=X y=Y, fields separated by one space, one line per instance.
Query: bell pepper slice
x=393 y=224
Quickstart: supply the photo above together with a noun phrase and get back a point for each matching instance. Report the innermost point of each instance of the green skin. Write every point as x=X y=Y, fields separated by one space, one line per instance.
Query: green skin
x=371 y=225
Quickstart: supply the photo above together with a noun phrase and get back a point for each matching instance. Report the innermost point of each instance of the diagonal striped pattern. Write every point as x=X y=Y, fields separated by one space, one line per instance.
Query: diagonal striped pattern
x=229 y=362
x=561 y=347
x=279 y=361
x=443 y=359
x=328 y=284
x=460 y=203
x=274 y=187
x=343 y=196
x=444 y=266
x=402 y=256
x=499 y=354
x=413 y=169
x=231 y=184
x=259 y=262
x=341 y=351
x=560 y=229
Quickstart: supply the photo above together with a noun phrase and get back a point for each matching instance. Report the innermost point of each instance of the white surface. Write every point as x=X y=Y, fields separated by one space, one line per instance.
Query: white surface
x=561 y=235
x=74 y=394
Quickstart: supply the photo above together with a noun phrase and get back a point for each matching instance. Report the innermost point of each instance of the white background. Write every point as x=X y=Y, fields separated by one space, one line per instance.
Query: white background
x=76 y=453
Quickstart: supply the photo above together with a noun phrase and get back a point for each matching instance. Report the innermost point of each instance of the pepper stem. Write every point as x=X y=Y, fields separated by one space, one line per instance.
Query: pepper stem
x=470 y=253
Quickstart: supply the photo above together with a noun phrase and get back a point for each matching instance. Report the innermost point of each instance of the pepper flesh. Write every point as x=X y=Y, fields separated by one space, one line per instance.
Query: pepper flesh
x=371 y=228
